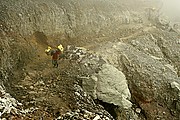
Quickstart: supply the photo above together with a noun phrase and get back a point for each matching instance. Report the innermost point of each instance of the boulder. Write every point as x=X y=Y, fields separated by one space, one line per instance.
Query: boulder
x=149 y=81
x=112 y=87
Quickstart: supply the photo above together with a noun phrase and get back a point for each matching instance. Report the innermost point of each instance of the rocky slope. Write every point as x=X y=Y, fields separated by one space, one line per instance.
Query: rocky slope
x=129 y=65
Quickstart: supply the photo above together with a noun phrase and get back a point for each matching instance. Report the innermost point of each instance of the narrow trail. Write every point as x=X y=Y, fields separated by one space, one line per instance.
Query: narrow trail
x=39 y=85
x=96 y=48
x=45 y=88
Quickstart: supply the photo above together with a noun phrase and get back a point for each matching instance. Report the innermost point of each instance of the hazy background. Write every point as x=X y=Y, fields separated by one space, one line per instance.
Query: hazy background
x=171 y=8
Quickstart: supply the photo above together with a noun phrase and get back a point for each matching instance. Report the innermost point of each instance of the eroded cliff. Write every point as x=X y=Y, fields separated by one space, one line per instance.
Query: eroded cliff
x=129 y=61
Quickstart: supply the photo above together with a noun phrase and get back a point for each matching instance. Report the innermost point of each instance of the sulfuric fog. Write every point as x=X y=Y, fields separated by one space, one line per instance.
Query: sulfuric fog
x=171 y=8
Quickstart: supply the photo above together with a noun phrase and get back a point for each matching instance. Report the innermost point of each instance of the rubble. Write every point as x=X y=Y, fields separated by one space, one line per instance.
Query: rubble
x=87 y=109
x=8 y=104
x=10 y=107
x=83 y=115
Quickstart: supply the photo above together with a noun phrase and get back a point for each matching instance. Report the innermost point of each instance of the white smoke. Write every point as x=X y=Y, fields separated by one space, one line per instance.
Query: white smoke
x=171 y=8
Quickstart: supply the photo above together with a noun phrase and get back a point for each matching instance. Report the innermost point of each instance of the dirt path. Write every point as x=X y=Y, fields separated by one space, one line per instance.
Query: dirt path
x=45 y=88
x=47 y=91
x=95 y=47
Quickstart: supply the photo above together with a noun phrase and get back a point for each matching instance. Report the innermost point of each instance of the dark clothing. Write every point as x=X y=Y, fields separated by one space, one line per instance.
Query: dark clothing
x=55 y=63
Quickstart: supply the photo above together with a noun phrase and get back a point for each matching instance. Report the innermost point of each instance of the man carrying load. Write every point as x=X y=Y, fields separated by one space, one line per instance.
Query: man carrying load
x=56 y=54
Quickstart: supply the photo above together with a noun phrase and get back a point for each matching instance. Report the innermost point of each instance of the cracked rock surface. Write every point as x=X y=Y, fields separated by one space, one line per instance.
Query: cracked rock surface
x=122 y=60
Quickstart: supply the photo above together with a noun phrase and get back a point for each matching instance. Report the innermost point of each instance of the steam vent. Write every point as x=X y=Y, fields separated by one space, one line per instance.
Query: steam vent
x=89 y=60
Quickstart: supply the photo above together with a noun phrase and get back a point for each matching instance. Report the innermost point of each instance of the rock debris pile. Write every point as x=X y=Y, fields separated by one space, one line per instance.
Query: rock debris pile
x=8 y=105
x=88 y=110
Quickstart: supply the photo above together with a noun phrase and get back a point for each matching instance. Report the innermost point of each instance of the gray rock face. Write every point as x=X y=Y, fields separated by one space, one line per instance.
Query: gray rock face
x=90 y=86
x=149 y=80
x=112 y=87
x=169 y=44
x=107 y=84
x=12 y=54
x=70 y=18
